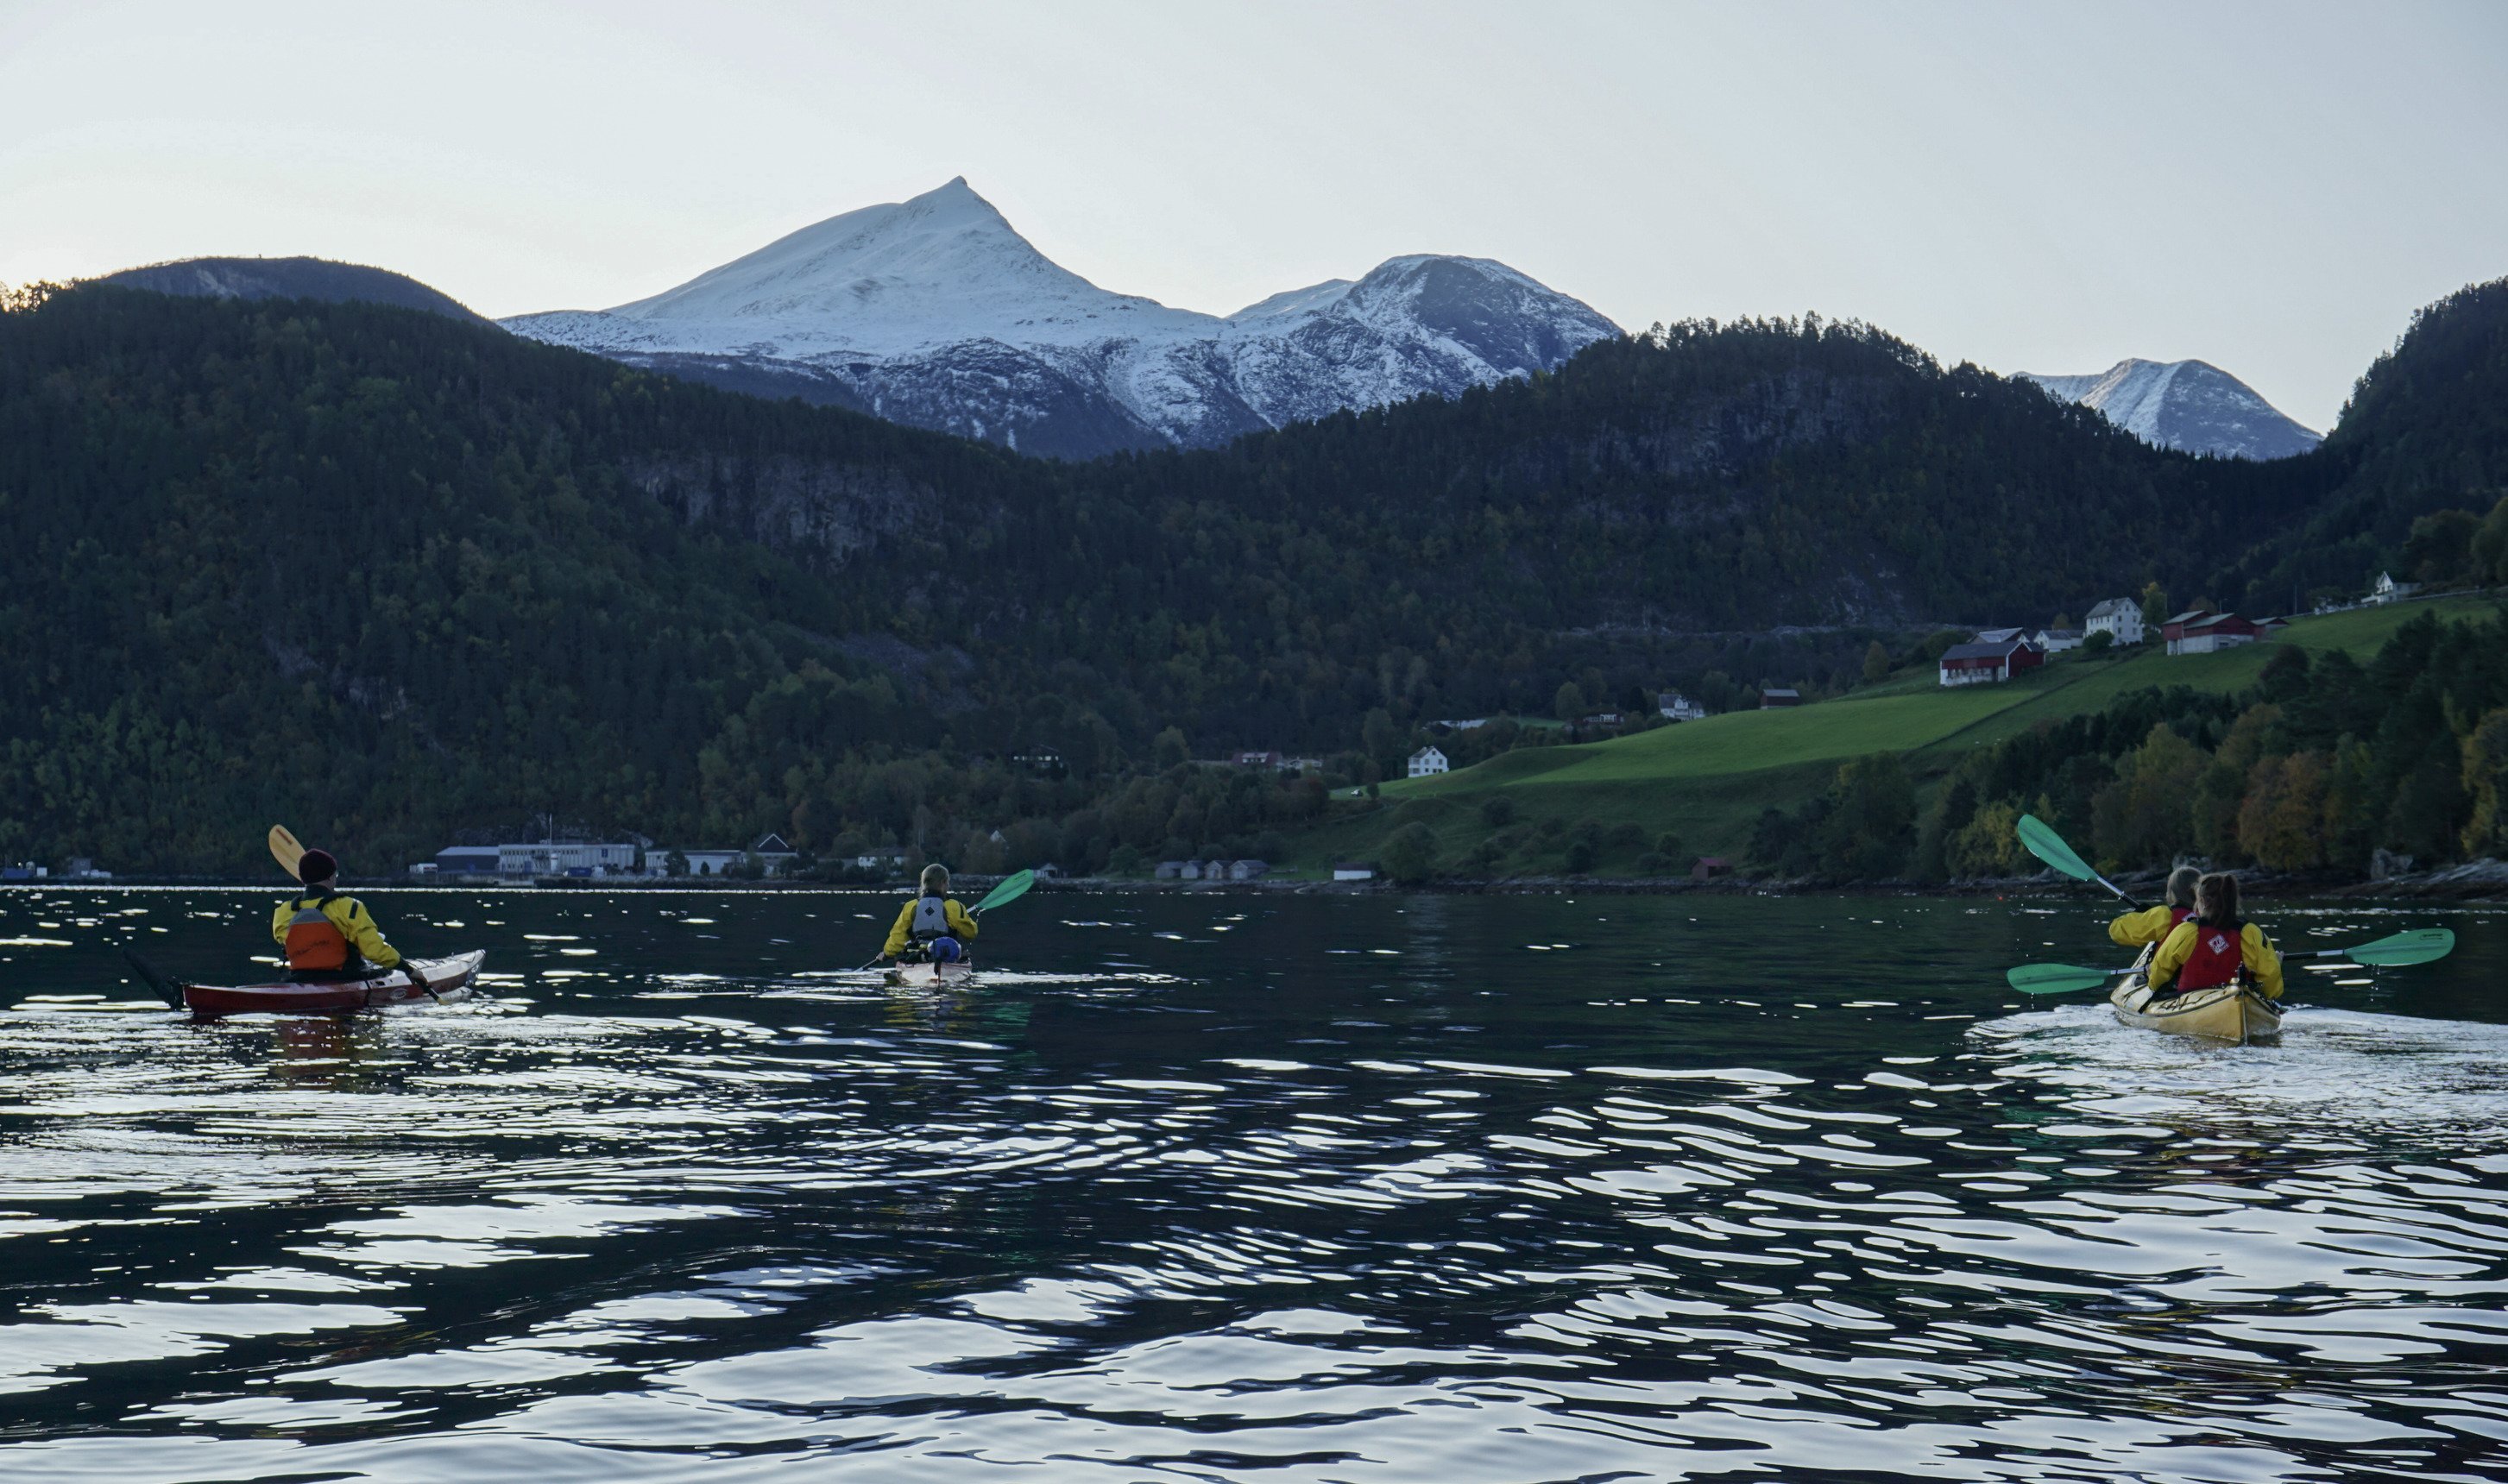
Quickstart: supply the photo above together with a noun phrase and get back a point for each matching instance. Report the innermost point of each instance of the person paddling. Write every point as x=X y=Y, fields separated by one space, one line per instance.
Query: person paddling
x=2215 y=947
x=933 y=927
x=2153 y=924
x=329 y=936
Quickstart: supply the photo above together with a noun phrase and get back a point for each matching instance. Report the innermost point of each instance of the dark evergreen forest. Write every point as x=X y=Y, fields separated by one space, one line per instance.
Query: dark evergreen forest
x=389 y=576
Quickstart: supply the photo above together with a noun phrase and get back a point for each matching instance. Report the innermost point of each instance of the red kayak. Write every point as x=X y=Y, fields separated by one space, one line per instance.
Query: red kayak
x=449 y=978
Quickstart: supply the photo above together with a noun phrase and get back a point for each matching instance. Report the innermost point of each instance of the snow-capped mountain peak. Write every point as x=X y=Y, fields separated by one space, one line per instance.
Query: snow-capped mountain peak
x=936 y=311
x=941 y=268
x=2192 y=405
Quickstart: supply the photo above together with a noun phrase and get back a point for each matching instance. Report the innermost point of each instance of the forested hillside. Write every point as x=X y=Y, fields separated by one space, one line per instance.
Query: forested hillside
x=2420 y=453
x=388 y=576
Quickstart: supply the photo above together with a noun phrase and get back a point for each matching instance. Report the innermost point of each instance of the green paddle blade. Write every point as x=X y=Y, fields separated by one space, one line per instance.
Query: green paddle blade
x=1010 y=890
x=2058 y=978
x=2420 y=945
x=2041 y=841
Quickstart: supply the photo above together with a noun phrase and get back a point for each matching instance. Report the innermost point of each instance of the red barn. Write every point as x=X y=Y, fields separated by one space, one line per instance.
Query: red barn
x=1984 y=664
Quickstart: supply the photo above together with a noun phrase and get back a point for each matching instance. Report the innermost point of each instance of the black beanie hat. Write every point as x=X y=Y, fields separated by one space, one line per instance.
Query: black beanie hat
x=315 y=865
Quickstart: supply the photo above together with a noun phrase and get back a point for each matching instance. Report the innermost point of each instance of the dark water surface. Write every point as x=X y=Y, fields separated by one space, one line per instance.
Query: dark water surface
x=1245 y=1188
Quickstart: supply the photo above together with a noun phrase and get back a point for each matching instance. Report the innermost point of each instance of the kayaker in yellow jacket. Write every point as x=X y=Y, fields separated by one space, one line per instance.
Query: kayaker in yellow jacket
x=2153 y=924
x=934 y=924
x=2214 y=947
x=329 y=936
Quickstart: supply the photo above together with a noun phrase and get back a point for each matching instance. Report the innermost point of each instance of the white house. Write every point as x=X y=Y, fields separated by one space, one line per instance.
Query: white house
x=2386 y=589
x=708 y=862
x=1428 y=761
x=2120 y=618
x=549 y=857
x=2056 y=640
x=1679 y=707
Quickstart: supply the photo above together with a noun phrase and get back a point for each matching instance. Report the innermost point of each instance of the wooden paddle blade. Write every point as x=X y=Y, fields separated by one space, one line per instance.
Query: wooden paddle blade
x=2057 y=978
x=285 y=850
x=1011 y=889
x=2041 y=841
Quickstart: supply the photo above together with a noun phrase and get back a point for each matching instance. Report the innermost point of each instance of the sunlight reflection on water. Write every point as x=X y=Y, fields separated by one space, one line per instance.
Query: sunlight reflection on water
x=1687 y=1201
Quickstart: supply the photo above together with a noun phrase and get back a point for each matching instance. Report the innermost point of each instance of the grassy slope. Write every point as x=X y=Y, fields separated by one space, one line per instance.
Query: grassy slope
x=1708 y=780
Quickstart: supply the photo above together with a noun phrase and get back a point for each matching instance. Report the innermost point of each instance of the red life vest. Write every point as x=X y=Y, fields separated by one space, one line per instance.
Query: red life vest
x=2218 y=958
x=313 y=940
x=2177 y=914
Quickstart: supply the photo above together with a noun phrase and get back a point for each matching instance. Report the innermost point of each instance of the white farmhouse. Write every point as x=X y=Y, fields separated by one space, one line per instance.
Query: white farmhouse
x=1428 y=761
x=1679 y=707
x=2386 y=589
x=2119 y=618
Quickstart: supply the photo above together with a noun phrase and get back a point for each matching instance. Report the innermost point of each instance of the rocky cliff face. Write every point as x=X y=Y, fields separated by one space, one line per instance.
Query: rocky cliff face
x=936 y=312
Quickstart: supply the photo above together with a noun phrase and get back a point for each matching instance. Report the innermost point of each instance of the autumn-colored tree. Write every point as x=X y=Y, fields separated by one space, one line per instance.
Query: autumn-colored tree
x=2282 y=822
x=1876 y=664
x=2142 y=819
x=2485 y=779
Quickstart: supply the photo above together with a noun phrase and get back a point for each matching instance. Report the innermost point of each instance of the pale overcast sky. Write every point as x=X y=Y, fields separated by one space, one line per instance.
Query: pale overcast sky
x=2272 y=188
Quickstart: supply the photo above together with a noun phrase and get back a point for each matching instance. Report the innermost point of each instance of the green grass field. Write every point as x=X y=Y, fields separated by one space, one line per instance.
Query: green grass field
x=1706 y=781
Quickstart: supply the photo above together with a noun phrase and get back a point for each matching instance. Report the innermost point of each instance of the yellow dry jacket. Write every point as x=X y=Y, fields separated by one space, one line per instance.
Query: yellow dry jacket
x=962 y=924
x=2256 y=954
x=2152 y=925
x=347 y=914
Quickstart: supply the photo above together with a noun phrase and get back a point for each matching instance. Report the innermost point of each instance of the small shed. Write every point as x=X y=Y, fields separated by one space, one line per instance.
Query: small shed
x=1351 y=870
x=1773 y=696
x=1710 y=867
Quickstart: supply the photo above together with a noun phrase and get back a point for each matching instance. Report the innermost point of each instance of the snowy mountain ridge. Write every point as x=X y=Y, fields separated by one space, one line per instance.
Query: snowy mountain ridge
x=936 y=311
x=2191 y=406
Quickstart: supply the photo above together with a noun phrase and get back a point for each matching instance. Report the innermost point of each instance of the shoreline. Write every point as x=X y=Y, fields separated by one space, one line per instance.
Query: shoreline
x=2478 y=880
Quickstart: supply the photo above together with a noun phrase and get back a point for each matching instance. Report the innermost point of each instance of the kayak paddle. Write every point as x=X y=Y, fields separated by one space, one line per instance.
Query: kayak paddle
x=2058 y=978
x=163 y=988
x=285 y=850
x=2418 y=945
x=1010 y=890
x=2041 y=840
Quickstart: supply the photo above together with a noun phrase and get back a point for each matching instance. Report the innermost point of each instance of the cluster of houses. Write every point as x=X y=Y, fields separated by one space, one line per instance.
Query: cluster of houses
x=612 y=859
x=1998 y=654
x=1213 y=869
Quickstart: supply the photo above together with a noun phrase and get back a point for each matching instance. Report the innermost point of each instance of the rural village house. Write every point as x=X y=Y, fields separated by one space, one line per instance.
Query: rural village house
x=2120 y=618
x=1988 y=662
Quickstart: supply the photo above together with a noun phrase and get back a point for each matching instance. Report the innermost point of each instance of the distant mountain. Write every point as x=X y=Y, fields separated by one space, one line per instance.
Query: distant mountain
x=935 y=311
x=290 y=278
x=2191 y=406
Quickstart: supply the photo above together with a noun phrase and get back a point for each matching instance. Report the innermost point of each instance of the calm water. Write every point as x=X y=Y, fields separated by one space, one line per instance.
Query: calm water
x=1245 y=1187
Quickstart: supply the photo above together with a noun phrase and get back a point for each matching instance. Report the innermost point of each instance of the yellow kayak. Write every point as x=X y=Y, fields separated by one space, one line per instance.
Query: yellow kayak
x=2230 y=1013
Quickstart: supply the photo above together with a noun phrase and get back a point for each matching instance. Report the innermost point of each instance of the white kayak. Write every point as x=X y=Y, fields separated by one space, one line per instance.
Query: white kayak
x=930 y=975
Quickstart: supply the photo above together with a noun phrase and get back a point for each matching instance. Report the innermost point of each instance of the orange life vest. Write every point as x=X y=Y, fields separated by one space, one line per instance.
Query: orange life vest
x=313 y=940
x=2218 y=958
